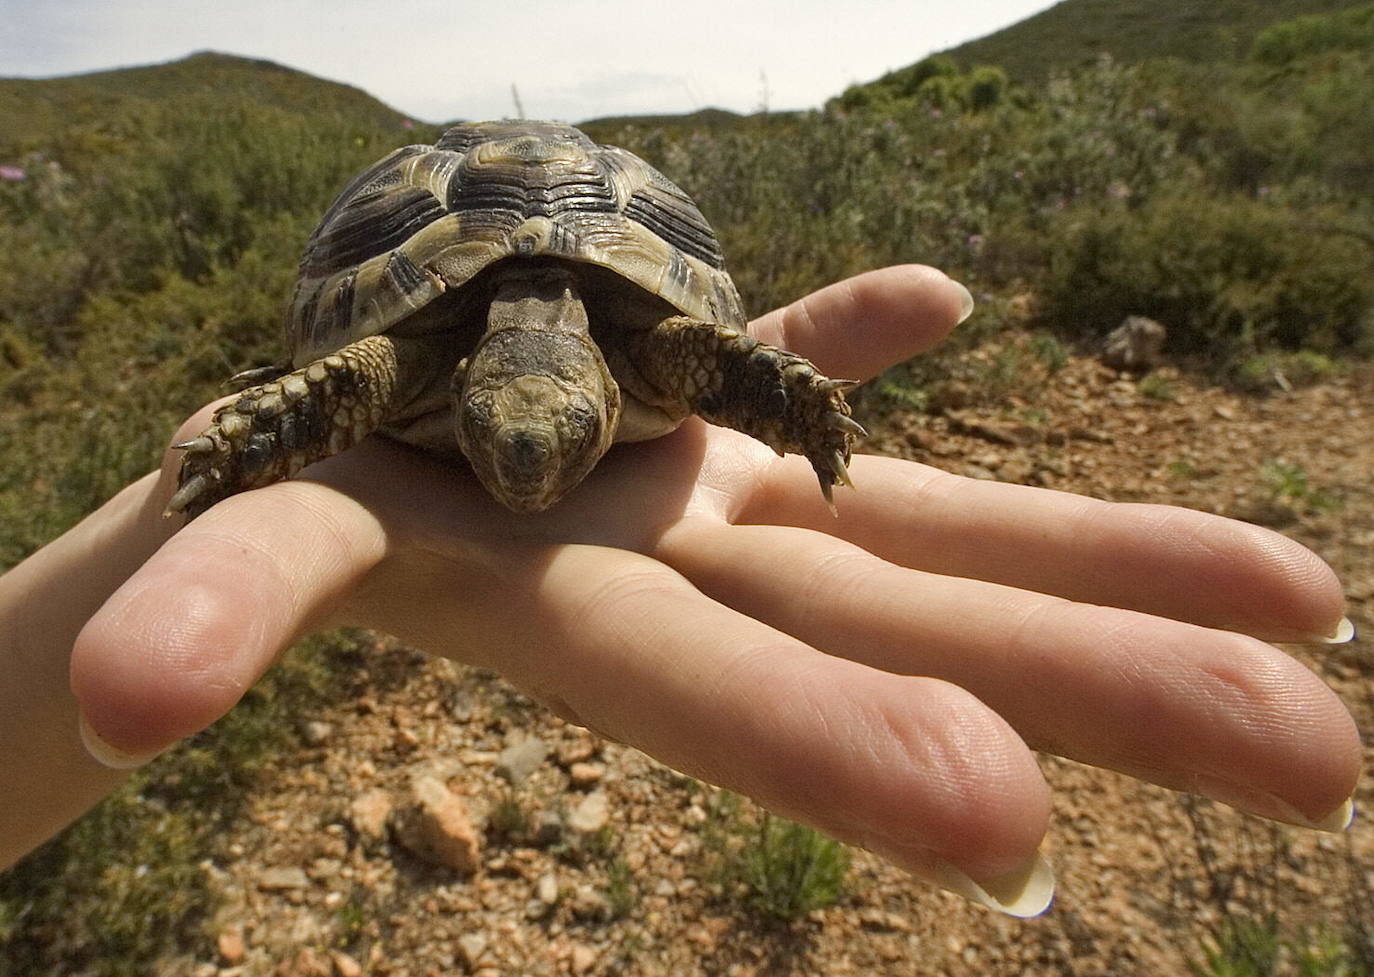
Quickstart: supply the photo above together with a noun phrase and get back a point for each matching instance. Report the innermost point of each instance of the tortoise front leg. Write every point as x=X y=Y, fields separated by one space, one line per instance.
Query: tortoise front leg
x=769 y=393
x=273 y=430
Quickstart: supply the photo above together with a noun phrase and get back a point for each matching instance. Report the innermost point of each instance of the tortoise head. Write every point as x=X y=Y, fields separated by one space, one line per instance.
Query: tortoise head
x=534 y=404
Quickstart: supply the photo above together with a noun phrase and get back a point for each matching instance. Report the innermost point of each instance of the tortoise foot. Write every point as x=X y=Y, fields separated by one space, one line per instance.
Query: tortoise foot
x=768 y=393
x=788 y=404
x=272 y=431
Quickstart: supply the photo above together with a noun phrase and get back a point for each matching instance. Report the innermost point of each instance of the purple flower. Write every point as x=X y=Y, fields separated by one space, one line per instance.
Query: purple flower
x=12 y=173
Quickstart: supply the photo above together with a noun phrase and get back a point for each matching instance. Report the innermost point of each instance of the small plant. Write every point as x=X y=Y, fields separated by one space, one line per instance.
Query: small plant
x=1182 y=468
x=1285 y=370
x=1242 y=947
x=509 y=819
x=1050 y=351
x=900 y=392
x=1156 y=386
x=621 y=892
x=350 y=918
x=1289 y=486
x=781 y=869
x=123 y=887
x=792 y=870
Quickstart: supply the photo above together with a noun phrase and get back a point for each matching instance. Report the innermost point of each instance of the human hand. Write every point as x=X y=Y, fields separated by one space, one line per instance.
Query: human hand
x=882 y=676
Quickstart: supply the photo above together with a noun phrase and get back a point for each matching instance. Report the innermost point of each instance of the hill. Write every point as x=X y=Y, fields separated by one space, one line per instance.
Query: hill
x=34 y=108
x=1076 y=31
x=152 y=220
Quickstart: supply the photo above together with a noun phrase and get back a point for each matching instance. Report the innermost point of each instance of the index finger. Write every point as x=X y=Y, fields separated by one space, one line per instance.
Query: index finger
x=859 y=327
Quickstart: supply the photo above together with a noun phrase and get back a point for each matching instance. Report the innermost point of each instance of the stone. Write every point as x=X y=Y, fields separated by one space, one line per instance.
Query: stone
x=546 y=888
x=590 y=904
x=591 y=814
x=521 y=759
x=437 y=828
x=584 y=775
x=230 y=945
x=583 y=958
x=315 y=732
x=471 y=946
x=282 y=878
x=344 y=965
x=369 y=814
x=577 y=750
x=308 y=964
x=547 y=829
x=1135 y=345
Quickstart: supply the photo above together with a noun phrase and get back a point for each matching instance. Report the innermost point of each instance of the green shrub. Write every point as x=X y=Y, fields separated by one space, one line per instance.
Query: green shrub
x=1285 y=42
x=778 y=868
x=1228 y=276
x=1246 y=947
x=123 y=887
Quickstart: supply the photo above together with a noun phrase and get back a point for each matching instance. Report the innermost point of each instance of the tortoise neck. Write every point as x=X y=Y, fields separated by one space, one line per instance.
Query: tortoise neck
x=539 y=297
x=535 y=405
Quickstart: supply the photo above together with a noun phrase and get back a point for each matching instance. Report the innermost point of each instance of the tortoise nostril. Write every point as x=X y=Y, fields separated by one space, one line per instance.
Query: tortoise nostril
x=525 y=452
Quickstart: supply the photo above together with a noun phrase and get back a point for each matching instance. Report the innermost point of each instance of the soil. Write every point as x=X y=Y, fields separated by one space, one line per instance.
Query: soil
x=566 y=886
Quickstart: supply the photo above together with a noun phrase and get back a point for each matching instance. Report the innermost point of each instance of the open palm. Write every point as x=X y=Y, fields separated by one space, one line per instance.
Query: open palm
x=883 y=675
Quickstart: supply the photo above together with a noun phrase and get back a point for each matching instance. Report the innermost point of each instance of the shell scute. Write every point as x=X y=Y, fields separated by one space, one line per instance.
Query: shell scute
x=427 y=219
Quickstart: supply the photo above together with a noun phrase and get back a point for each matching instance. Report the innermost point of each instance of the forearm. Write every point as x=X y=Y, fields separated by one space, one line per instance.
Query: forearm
x=48 y=779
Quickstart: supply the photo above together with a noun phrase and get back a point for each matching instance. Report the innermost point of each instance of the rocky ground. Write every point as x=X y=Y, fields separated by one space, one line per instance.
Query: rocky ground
x=438 y=822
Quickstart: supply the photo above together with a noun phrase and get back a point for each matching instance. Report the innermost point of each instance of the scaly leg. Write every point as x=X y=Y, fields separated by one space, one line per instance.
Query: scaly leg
x=275 y=429
x=738 y=382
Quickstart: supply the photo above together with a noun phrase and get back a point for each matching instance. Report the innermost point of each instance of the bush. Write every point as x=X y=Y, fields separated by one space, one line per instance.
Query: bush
x=1228 y=276
x=1289 y=40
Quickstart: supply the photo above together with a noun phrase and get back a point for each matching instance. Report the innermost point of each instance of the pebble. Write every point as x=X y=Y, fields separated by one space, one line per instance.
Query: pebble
x=583 y=958
x=230 y=945
x=547 y=829
x=283 y=877
x=583 y=775
x=577 y=750
x=437 y=828
x=547 y=888
x=316 y=732
x=471 y=946
x=517 y=761
x=344 y=965
x=369 y=813
x=591 y=814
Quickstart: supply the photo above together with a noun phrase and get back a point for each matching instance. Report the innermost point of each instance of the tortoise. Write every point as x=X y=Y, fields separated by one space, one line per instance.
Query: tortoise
x=522 y=295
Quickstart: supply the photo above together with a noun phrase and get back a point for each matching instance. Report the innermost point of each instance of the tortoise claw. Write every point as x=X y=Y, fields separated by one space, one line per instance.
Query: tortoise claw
x=831 y=386
x=847 y=424
x=195 y=445
x=840 y=469
x=191 y=490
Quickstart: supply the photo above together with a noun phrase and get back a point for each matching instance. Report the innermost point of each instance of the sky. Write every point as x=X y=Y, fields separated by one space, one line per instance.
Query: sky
x=574 y=60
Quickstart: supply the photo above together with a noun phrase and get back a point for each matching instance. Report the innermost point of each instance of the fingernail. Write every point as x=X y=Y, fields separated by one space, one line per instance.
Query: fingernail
x=1023 y=893
x=965 y=301
x=1275 y=808
x=110 y=756
x=1344 y=633
x=1336 y=822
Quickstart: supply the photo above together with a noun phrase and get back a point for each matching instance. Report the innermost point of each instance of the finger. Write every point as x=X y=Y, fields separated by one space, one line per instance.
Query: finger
x=859 y=327
x=1186 y=707
x=1157 y=559
x=912 y=767
x=177 y=644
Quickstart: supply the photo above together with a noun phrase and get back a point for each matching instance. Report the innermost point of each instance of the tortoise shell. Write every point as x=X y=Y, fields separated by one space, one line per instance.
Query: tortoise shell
x=427 y=220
